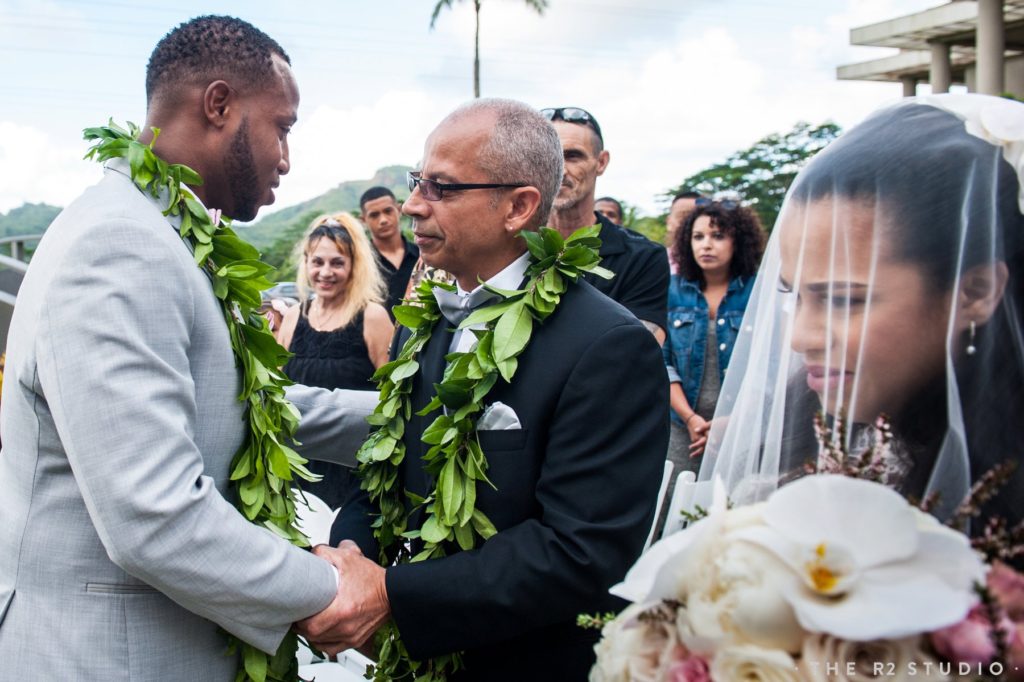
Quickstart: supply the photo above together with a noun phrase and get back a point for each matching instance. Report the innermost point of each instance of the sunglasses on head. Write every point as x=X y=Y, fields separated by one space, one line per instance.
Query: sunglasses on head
x=432 y=190
x=331 y=227
x=573 y=115
x=727 y=204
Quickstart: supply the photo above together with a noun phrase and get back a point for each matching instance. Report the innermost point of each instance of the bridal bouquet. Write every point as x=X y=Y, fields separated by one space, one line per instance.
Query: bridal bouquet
x=831 y=578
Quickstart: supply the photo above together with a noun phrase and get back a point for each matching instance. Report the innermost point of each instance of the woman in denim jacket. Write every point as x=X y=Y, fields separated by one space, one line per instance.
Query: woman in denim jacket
x=718 y=250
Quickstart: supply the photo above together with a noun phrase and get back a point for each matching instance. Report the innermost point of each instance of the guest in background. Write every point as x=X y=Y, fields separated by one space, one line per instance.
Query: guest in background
x=341 y=336
x=641 y=273
x=682 y=204
x=610 y=208
x=718 y=249
x=395 y=256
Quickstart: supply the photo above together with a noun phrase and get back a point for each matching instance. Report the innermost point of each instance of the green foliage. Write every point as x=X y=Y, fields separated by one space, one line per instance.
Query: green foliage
x=652 y=228
x=265 y=232
x=27 y=219
x=762 y=174
x=265 y=469
x=455 y=460
x=281 y=254
x=594 y=621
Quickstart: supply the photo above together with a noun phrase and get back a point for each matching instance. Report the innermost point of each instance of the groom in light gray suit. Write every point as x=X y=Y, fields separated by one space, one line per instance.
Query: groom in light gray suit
x=120 y=550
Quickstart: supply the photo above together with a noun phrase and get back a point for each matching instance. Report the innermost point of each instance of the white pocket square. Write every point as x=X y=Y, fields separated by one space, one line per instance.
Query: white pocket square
x=498 y=417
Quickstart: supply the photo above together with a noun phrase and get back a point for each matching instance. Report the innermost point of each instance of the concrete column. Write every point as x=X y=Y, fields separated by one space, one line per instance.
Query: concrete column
x=941 y=73
x=909 y=85
x=991 y=46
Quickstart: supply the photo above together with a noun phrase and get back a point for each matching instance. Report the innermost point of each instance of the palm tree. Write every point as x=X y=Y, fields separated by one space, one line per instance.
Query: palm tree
x=538 y=5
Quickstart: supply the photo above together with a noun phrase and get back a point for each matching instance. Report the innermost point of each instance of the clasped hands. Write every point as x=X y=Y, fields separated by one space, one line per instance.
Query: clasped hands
x=359 y=607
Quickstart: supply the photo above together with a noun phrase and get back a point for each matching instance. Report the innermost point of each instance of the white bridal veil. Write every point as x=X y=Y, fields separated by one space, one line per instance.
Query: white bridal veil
x=892 y=284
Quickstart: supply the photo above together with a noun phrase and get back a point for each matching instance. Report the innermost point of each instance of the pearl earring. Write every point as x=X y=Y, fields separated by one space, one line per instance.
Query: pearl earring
x=971 y=348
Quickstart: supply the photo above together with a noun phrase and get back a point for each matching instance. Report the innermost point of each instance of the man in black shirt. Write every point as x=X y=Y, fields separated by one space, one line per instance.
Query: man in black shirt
x=395 y=256
x=641 y=269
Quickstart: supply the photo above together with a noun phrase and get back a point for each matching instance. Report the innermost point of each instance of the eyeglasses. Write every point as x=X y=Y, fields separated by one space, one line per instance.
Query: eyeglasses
x=727 y=204
x=432 y=190
x=573 y=115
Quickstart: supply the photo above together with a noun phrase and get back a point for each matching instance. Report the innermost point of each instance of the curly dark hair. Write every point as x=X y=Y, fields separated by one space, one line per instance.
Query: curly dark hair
x=211 y=47
x=740 y=223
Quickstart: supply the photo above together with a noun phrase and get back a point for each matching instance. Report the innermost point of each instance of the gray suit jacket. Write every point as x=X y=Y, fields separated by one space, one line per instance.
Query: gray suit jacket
x=120 y=552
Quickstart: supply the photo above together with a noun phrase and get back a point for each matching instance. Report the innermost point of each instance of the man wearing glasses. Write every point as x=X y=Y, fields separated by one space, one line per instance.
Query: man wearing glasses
x=575 y=474
x=641 y=270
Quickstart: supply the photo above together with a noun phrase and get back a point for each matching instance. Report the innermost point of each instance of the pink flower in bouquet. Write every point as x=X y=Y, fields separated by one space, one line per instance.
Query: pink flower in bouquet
x=1007 y=585
x=969 y=641
x=692 y=669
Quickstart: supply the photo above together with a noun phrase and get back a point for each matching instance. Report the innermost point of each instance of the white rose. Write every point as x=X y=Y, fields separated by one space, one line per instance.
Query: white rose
x=828 y=659
x=632 y=650
x=748 y=663
x=734 y=591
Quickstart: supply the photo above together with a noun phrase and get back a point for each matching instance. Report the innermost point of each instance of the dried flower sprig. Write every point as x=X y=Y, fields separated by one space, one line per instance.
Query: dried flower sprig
x=873 y=464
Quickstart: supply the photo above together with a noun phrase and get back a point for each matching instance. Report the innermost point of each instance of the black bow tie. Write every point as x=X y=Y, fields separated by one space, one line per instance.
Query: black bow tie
x=457 y=308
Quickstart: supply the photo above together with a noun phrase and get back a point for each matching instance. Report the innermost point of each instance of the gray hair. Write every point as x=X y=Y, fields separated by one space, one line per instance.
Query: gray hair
x=524 y=147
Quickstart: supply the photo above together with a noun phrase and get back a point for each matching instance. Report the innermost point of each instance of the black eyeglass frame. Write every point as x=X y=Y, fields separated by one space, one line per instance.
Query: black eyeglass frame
x=415 y=179
x=573 y=115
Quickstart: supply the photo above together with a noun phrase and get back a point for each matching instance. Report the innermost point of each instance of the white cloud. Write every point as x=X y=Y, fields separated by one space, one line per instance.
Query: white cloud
x=34 y=168
x=333 y=145
x=675 y=86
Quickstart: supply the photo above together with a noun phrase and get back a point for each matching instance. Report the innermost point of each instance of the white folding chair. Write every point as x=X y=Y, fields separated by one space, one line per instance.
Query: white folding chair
x=682 y=500
x=316 y=520
x=350 y=667
x=666 y=476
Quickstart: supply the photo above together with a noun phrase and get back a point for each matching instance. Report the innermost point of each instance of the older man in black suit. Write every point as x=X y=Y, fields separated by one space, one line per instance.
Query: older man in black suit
x=575 y=481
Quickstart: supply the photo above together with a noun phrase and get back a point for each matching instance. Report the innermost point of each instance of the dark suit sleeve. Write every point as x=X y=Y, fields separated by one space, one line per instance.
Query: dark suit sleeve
x=595 y=494
x=357 y=511
x=646 y=293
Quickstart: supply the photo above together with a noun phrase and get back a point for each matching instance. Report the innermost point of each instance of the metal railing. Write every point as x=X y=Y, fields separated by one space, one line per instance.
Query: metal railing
x=16 y=259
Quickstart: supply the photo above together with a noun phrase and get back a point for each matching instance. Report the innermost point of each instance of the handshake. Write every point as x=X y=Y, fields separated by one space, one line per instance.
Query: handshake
x=360 y=605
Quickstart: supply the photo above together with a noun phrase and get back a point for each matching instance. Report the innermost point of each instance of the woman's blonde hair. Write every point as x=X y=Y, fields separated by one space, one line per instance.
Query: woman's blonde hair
x=365 y=284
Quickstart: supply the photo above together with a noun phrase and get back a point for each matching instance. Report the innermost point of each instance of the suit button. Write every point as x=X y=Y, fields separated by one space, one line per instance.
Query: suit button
x=677 y=323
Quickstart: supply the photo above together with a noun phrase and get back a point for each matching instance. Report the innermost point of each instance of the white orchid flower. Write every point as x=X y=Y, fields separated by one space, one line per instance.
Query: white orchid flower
x=866 y=564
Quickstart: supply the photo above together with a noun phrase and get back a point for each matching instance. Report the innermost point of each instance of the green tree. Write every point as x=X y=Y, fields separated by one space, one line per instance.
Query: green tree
x=539 y=5
x=762 y=174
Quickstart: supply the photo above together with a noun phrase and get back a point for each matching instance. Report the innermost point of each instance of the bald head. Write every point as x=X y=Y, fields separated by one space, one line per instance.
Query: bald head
x=523 y=147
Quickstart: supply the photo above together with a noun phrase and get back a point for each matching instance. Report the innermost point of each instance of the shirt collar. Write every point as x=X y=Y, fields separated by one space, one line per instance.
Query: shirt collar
x=509 y=278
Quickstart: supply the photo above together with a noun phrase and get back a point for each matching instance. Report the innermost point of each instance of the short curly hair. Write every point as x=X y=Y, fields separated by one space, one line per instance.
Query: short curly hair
x=210 y=47
x=739 y=222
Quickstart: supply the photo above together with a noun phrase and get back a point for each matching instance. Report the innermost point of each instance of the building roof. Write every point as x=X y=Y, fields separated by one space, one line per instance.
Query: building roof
x=953 y=24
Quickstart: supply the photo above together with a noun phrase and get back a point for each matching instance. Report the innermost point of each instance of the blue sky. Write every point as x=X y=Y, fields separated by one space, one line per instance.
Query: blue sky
x=675 y=84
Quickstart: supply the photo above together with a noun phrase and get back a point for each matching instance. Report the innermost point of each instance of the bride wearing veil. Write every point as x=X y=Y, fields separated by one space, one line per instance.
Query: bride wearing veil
x=892 y=285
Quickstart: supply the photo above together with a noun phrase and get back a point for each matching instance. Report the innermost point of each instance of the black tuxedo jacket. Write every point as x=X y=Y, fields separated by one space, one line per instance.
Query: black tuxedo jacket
x=576 y=490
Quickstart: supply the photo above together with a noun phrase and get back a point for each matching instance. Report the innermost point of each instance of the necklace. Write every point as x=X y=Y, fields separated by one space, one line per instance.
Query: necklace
x=455 y=460
x=264 y=469
x=325 y=320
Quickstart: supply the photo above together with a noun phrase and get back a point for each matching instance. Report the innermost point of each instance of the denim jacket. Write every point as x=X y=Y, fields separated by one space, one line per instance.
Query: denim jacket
x=688 y=328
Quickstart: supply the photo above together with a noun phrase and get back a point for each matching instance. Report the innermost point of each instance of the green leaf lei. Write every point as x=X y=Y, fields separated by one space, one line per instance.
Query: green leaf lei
x=455 y=459
x=263 y=468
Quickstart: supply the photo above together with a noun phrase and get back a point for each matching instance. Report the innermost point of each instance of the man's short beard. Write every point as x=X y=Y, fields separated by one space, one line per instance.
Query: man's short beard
x=570 y=202
x=243 y=181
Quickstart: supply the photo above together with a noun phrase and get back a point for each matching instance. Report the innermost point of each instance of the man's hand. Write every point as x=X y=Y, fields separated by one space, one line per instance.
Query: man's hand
x=359 y=608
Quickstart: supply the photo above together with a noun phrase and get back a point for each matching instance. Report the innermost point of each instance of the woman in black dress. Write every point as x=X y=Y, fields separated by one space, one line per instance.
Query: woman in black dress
x=341 y=335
